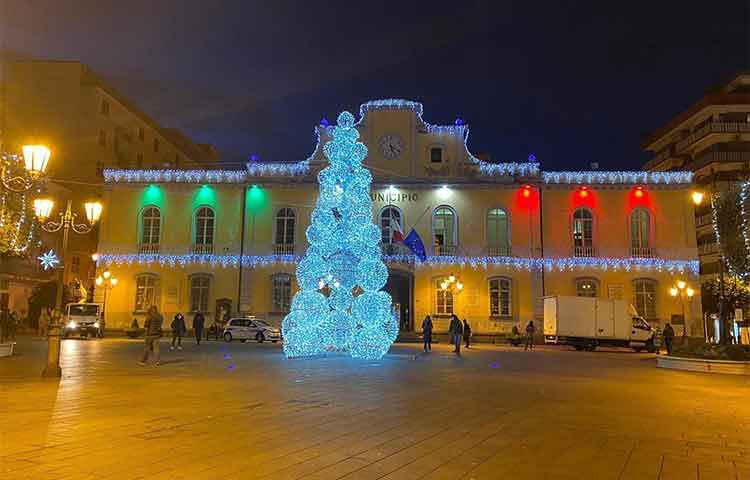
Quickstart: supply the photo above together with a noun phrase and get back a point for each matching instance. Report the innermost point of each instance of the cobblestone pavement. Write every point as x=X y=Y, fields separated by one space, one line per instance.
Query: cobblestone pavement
x=230 y=411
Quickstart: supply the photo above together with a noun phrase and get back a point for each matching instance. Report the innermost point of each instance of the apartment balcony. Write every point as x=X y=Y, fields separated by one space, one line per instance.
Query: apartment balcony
x=148 y=248
x=584 y=251
x=202 y=248
x=445 y=250
x=642 y=252
x=498 y=251
x=718 y=157
x=708 y=248
x=703 y=220
x=283 y=248
x=709 y=128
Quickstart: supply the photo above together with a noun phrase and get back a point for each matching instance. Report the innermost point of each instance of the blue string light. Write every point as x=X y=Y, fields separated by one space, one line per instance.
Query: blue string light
x=618 y=177
x=343 y=257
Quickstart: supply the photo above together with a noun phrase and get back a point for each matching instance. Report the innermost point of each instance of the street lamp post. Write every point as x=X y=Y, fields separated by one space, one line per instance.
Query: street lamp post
x=107 y=281
x=682 y=291
x=65 y=223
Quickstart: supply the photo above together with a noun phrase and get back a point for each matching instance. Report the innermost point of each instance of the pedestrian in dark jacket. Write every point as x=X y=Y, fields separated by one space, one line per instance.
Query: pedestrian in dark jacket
x=178 y=331
x=456 y=329
x=668 y=337
x=198 y=322
x=467 y=333
x=427 y=333
x=152 y=325
x=3 y=325
x=530 y=330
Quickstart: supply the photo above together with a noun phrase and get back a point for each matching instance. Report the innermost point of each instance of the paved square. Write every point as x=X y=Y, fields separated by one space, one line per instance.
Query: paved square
x=231 y=411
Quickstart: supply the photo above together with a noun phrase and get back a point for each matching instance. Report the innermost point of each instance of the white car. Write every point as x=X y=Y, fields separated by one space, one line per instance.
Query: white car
x=250 y=328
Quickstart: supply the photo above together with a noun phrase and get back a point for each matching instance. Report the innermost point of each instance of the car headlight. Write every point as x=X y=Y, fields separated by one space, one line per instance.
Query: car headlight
x=72 y=324
x=96 y=324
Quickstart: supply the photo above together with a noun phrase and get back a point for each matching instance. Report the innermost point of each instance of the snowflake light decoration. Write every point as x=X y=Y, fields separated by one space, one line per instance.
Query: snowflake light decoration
x=49 y=260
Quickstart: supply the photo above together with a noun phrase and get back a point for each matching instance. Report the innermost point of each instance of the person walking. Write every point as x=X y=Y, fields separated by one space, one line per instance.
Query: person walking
x=427 y=333
x=530 y=330
x=456 y=329
x=153 y=324
x=467 y=333
x=668 y=337
x=43 y=322
x=198 y=322
x=178 y=331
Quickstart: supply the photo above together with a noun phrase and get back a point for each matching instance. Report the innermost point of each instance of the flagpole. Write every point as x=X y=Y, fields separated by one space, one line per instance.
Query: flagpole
x=421 y=216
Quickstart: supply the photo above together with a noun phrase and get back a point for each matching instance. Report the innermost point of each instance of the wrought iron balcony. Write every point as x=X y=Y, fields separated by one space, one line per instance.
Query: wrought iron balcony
x=498 y=251
x=445 y=250
x=642 y=252
x=202 y=248
x=148 y=248
x=584 y=251
x=283 y=248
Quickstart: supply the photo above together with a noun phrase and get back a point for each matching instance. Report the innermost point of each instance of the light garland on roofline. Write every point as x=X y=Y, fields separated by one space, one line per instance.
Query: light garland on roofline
x=507 y=169
x=521 y=264
x=618 y=177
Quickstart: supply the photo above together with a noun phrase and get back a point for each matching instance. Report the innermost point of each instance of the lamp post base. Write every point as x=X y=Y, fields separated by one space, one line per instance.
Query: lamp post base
x=52 y=371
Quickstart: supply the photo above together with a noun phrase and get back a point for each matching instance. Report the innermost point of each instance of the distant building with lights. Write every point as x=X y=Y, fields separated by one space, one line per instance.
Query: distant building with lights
x=711 y=139
x=89 y=127
x=228 y=240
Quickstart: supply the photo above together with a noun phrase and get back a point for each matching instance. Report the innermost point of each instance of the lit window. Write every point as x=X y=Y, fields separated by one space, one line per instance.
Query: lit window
x=444 y=225
x=281 y=292
x=640 y=224
x=443 y=298
x=583 y=232
x=498 y=240
x=284 y=239
x=436 y=155
x=204 y=226
x=389 y=217
x=150 y=226
x=199 y=290
x=500 y=297
x=645 y=297
x=104 y=108
x=145 y=291
x=586 y=287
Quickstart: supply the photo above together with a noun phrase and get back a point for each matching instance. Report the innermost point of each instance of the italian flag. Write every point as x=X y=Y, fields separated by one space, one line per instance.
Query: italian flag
x=398 y=234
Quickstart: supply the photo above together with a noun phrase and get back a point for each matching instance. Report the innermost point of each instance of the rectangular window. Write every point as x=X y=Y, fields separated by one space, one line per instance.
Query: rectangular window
x=156 y=145
x=444 y=299
x=436 y=155
x=141 y=134
x=645 y=298
x=102 y=138
x=104 y=109
x=139 y=160
x=199 y=287
x=145 y=292
x=75 y=264
x=281 y=289
x=500 y=297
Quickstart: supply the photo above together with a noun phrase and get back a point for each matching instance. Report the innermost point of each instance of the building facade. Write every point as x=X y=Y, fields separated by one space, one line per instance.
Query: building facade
x=509 y=233
x=88 y=126
x=712 y=139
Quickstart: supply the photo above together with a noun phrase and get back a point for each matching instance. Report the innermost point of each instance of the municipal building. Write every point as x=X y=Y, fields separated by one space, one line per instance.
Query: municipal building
x=499 y=236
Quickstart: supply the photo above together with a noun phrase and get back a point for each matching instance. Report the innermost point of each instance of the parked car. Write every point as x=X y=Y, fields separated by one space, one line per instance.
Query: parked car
x=250 y=328
x=84 y=319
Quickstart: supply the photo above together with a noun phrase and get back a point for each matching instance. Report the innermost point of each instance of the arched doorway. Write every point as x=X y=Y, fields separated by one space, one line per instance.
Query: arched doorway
x=401 y=287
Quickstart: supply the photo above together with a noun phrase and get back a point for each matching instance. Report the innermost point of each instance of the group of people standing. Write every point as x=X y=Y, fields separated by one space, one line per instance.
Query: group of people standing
x=459 y=331
x=153 y=333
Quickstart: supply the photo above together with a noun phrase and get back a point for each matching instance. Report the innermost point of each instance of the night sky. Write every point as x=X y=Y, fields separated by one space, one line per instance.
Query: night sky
x=572 y=82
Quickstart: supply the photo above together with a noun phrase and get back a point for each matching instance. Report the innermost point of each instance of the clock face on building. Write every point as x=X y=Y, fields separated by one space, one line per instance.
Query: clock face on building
x=391 y=146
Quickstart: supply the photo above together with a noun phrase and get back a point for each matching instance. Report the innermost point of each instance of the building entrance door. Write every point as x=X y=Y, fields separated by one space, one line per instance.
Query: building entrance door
x=400 y=286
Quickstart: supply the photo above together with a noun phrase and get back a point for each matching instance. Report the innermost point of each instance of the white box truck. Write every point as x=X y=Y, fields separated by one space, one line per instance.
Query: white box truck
x=586 y=323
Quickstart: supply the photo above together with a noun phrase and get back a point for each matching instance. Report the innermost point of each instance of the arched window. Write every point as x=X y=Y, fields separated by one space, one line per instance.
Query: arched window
x=284 y=239
x=445 y=231
x=498 y=238
x=640 y=232
x=146 y=291
x=645 y=297
x=583 y=233
x=150 y=230
x=200 y=285
x=204 y=230
x=390 y=221
x=587 y=287
x=443 y=298
x=500 y=297
x=281 y=292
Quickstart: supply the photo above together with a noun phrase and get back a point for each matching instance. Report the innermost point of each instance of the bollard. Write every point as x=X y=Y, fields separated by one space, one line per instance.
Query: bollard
x=52 y=369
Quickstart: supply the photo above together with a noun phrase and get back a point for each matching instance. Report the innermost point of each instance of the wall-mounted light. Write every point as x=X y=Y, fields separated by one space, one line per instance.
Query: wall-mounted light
x=444 y=192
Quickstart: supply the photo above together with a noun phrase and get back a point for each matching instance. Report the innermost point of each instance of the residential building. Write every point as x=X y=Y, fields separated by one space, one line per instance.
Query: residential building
x=214 y=240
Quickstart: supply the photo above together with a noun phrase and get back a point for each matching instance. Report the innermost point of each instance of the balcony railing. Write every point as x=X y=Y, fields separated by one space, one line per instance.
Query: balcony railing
x=584 y=251
x=712 y=127
x=202 y=248
x=718 y=157
x=148 y=248
x=706 y=219
x=283 y=249
x=708 y=248
x=642 y=252
x=498 y=251
x=445 y=250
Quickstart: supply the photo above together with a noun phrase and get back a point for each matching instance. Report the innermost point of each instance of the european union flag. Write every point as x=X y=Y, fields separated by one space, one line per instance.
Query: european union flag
x=415 y=245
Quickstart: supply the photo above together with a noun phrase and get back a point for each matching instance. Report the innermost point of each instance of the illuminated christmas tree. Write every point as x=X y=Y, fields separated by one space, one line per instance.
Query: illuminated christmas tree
x=340 y=305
